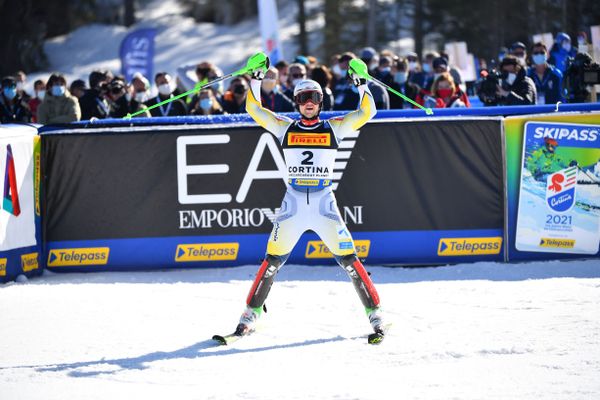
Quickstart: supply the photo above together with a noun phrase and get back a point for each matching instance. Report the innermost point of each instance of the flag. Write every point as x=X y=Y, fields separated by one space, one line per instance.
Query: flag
x=137 y=53
x=267 y=16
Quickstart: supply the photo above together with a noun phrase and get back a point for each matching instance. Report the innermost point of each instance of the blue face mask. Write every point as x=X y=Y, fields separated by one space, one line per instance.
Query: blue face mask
x=400 y=77
x=206 y=104
x=539 y=59
x=10 y=92
x=58 y=90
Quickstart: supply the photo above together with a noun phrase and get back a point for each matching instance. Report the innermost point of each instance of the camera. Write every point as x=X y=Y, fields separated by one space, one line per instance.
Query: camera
x=581 y=73
x=488 y=85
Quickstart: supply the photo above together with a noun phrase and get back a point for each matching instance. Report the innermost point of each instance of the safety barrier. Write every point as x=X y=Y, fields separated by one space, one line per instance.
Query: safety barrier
x=202 y=191
x=20 y=228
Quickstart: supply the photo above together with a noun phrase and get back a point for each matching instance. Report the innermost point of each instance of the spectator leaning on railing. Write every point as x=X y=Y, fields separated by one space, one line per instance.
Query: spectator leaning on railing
x=58 y=106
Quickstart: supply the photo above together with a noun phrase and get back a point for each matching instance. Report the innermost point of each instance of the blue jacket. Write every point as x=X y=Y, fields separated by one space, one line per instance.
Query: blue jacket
x=559 y=57
x=550 y=86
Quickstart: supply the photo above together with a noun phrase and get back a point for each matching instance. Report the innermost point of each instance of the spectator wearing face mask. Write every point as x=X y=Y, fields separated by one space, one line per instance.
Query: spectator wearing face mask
x=402 y=84
x=561 y=51
x=547 y=78
x=93 y=103
x=517 y=88
x=165 y=86
x=428 y=70
x=445 y=94
x=121 y=100
x=271 y=98
x=39 y=91
x=234 y=100
x=323 y=76
x=21 y=79
x=205 y=72
x=519 y=50
x=415 y=72
x=296 y=73
x=344 y=92
x=206 y=104
x=282 y=69
x=58 y=106
x=370 y=57
x=13 y=107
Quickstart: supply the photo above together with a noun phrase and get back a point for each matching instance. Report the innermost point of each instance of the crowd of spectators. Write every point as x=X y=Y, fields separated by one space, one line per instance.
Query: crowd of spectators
x=524 y=78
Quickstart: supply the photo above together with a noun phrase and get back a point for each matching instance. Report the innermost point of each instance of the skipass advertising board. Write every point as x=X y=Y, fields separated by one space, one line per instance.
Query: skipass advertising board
x=553 y=186
x=559 y=198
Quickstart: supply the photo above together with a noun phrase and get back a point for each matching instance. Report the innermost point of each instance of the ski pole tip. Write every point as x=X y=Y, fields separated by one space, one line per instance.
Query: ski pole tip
x=128 y=116
x=428 y=111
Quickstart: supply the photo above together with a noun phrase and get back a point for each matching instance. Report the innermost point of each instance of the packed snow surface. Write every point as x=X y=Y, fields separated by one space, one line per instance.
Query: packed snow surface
x=470 y=331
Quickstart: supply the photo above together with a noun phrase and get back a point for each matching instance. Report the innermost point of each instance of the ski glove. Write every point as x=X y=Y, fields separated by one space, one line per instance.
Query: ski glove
x=259 y=72
x=356 y=80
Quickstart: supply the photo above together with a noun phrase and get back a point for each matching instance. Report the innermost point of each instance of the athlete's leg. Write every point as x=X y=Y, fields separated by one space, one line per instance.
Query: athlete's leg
x=334 y=233
x=287 y=229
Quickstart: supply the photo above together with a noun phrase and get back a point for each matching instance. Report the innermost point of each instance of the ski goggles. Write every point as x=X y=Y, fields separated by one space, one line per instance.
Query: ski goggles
x=309 y=95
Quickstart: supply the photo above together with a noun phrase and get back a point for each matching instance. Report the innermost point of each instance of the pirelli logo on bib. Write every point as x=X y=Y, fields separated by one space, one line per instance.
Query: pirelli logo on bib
x=309 y=139
x=557 y=243
x=469 y=246
x=207 y=252
x=78 y=257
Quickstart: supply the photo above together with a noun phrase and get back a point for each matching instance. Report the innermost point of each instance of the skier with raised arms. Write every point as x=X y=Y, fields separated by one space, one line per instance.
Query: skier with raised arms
x=309 y=147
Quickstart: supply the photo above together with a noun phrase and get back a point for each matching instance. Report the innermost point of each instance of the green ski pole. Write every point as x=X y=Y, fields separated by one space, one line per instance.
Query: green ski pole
x=255 y=62
x=360 y=68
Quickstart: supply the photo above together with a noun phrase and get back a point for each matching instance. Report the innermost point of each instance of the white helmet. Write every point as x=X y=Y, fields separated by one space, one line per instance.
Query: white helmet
x=306 y=85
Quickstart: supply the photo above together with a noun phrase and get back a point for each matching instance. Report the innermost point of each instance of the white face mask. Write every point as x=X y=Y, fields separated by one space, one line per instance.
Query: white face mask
x=128 y=97
x=400 y=77
x=165 y=89
x=296 y=81
x=510 y=79
x=412 y=65
x=20 y=86
x=427 y=68
x=539 y=59
x=40 y=94
x=141 y=97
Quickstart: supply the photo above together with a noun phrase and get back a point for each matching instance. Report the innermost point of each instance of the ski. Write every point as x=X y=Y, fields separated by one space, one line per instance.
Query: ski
x=232 y=337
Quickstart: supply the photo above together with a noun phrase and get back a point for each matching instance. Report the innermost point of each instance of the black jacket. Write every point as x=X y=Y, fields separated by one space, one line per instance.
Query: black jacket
x=16 y=110
x=92 y=104
x=173 y=109
x=277 y=102
x=521 y=93
x=409 y=89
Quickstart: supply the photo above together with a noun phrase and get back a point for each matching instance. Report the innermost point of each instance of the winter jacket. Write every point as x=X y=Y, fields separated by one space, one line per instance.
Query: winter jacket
x=559 y=57
x=408 y=89
x=16 y=110
x=122 y=107
x=58 y=109
x=277 y=102
x=93 y=105
x=175 y=108
x=549 y=88
x=521 y=93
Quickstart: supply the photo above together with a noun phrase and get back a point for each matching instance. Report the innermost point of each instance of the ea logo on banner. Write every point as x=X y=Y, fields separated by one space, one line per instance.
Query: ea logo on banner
x=560 y=189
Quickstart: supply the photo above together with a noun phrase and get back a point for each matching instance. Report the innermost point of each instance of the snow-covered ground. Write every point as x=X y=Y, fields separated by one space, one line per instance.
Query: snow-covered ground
x=478 y=331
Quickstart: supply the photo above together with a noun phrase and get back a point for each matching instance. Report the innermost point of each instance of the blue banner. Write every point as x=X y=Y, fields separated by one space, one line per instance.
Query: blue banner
x=137 y=53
